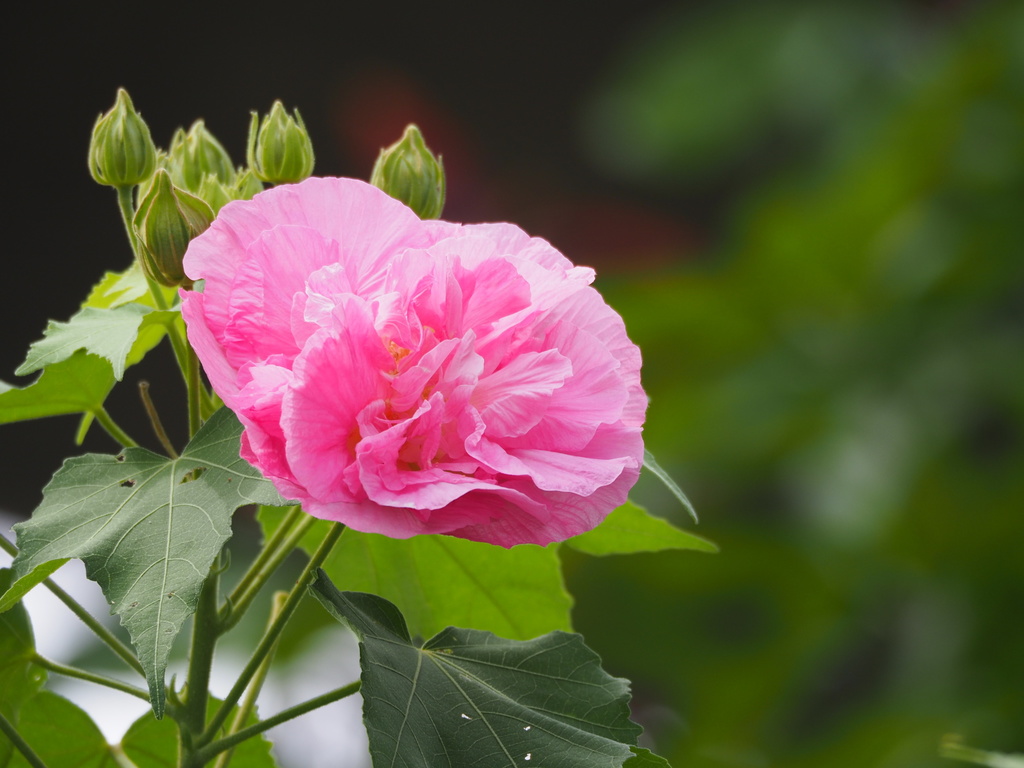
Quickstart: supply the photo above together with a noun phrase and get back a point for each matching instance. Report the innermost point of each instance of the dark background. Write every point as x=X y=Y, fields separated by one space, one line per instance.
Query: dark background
x=809 y=214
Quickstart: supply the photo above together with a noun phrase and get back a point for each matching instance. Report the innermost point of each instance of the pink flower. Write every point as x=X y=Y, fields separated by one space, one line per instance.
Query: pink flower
x=405 y=376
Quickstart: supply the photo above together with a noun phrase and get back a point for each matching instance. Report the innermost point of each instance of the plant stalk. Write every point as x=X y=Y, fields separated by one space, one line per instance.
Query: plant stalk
x=8 y=729
x=112 y=428
x=271 y=635
x=291 y=713
x=120 y=649
x=81 y=674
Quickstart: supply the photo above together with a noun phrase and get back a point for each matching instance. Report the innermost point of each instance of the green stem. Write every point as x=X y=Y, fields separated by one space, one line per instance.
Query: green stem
x=205 y=630
x=281 y=717
x=27 y=752
x=81 y=674
x=277 y=548
x=272 y=633
x=154 y=420
x=209 y=407
x=248 y=704
x=112 y=428
x=195 y=385
x=119 y=648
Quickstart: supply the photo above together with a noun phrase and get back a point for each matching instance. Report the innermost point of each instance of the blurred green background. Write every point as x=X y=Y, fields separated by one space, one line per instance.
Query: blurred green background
x=810 y=215
x=837 y=379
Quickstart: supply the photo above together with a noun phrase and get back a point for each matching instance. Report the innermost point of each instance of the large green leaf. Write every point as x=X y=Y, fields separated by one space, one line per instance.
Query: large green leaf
x=108 y=333
x=631 y=528
x=79 y=384
x=440 y=581
x=20 y=679
x=469 y=698
x=152 y=743
x=147 y=529
x=61 y=734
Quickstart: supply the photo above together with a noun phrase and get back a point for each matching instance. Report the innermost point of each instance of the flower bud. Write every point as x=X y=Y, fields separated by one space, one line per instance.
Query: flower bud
x=246 y=185
x=195 y=155
x=280 y=151
x=409 y=172
x=167 y=219
x=121 y=153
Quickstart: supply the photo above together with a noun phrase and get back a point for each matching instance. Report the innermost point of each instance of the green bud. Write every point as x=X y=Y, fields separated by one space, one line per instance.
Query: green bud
x=280 y=151
x=121 y=153
x=409 y=172
x=218 y=193
x=246 y=185
x=195 y=155
x=215 y=193
x=167 y=219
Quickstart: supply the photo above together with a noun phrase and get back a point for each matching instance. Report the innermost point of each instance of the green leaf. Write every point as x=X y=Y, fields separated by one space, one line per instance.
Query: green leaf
x=470 y=698
x=653 y=466
x=437 y=581
x=631 y=528
x=61 y=734
x=953 y=748
x=644 y=758
x=147 y=529
x=108 y=333
x=117 y=288
x=79 y=384
x=20 y=679
x=14 y=592
x=152 y=743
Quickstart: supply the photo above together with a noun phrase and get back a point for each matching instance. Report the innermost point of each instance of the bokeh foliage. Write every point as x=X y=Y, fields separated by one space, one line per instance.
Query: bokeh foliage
x=837 y=380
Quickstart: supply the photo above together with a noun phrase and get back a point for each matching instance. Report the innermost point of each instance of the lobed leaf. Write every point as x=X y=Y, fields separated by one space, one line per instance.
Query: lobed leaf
x=631 y=528
x=110 y=333
x=79 y=384
x=117 y=288
x=644 y=758
x=469 y=699
x=148 y=530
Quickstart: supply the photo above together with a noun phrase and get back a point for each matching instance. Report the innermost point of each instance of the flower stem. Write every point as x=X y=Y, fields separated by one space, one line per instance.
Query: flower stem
x=112 y=428
x=81 y=674
x=195 y=385
x=248 y=704
x=119 y=648
x=272 y=633
x=154 y=420
x=205 y=630
x=281 y=717
x=278 y=547
x=8 y=730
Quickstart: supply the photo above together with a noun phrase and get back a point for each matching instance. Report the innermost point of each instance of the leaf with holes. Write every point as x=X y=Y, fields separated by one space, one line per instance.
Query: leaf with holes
x=469 y=699
x=148 y=529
